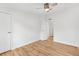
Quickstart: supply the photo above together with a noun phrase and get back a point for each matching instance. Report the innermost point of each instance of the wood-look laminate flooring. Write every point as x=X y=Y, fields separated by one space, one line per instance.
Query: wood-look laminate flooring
x=44 y=48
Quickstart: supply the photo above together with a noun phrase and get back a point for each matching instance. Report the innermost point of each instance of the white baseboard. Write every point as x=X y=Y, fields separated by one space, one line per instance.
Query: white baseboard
x=66 y=43
x=23 y=44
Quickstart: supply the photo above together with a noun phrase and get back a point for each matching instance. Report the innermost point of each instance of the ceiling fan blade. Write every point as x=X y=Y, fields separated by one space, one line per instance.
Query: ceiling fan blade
x=54 y=4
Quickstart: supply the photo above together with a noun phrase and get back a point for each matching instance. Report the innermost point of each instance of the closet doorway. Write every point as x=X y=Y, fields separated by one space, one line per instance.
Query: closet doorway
x=5 y=32
x=50 y=21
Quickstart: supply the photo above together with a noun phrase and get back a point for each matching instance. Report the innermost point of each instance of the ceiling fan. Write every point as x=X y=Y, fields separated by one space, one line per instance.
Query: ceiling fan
x=47 y=7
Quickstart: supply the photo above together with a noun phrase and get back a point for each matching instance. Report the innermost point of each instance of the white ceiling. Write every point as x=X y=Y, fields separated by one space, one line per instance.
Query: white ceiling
x=62 y=7
x=24 y=7
x=32 y=7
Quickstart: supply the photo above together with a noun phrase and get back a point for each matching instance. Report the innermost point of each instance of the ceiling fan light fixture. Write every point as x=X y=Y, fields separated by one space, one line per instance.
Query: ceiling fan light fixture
x=47 y=9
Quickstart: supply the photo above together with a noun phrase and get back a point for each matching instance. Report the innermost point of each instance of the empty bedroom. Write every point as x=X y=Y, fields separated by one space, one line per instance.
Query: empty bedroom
x=39 y=29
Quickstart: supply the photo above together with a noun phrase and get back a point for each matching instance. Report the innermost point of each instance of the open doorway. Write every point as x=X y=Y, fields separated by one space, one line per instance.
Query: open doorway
x=50 y=21
x=5 y=32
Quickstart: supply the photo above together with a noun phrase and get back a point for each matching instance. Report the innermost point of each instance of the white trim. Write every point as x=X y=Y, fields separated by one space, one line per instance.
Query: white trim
x=21 y=45
x=11 y=25
x=66 y=43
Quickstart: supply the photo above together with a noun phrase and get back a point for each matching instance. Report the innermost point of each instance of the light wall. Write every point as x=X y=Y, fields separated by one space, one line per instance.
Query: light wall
x=66 y=26
x=44 y=34
x=26 y=29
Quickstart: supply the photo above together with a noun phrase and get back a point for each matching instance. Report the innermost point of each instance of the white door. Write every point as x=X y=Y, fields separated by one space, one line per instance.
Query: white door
x=4 y=35
x=50 y=21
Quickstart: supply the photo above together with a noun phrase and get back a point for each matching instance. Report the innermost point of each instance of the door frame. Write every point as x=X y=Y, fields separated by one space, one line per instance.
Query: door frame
x=11 y=27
